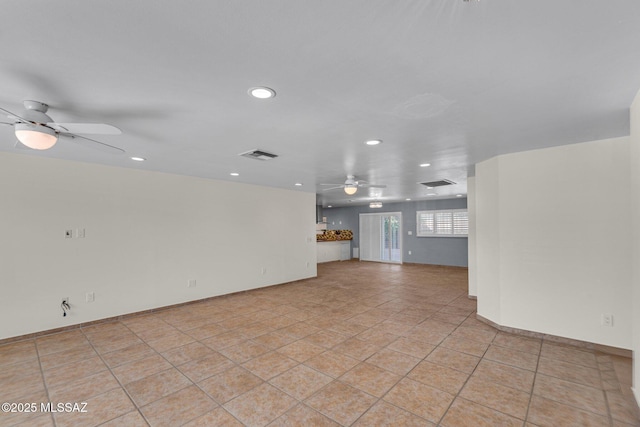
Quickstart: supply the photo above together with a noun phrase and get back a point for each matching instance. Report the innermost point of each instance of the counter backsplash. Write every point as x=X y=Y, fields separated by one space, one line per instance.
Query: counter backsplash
x=331 y=235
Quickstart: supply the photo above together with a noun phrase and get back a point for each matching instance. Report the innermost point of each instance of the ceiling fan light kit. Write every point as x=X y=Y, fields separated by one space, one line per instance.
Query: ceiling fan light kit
x=36 y=130
x=350 y=189
x=35 y=136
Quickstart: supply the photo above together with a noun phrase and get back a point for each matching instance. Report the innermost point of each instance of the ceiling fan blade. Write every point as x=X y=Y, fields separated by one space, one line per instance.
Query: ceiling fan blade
x=332 y=188
x=88 y=128
x=92 y=143
x=371 y=186
x=14 y=116
x=20 y=146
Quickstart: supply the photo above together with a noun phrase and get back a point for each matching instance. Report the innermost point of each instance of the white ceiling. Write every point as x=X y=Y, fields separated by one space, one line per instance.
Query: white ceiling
x=446 y=82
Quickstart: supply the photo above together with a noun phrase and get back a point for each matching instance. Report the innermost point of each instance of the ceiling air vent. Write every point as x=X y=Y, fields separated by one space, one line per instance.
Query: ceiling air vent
x=438 y=183
x=258 y=155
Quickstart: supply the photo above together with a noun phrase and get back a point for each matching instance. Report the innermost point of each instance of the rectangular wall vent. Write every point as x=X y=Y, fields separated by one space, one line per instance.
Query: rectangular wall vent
x=438 y=183
x=258 y=155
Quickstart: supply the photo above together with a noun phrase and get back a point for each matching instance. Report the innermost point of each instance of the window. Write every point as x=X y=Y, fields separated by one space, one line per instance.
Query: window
x=449 y=223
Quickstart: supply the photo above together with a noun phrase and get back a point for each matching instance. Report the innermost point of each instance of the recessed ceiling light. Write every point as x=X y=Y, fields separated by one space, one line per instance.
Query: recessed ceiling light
x=408 y=199
x=458 y=195
x=262 y=92
x=234 y=174
x=425 y=165
x=431 y=194
x=298 y=184
x=138 y=159
x=373 y=142
x=329 y=206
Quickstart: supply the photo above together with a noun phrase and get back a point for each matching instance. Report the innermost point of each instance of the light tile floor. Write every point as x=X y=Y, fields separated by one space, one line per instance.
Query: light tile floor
x=363 y=344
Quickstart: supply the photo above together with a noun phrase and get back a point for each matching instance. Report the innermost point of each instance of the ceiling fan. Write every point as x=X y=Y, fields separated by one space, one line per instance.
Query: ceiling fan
x=36 y=130
x=351 y=186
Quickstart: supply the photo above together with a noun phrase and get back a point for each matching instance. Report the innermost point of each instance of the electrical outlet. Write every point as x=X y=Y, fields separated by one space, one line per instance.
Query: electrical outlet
x=68 y=234
x=191 y=283
x=90 y=297
x=607 y=320
x=264 y=270
x=409 y=252
x=80 y=233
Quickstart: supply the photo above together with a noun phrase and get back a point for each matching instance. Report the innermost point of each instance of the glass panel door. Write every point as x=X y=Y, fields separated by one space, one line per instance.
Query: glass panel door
x=381 y=237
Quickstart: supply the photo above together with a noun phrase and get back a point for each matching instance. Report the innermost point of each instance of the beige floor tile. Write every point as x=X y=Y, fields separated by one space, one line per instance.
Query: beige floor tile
x=140 y=368
x=274 y=340
x=230 y=384
x=383 y=414
x=131 y=419
x=187 y=353
x=623 y=408
x=170 y=341
x=178 y=408
x=59 y=376
x=23 y=418
x=453 y=359
x=99 y=409
x=205 y=331
x=128 y=354
x=224 y=340
x=200 y=369
x=302 y=415
x=341 y=402
x=438 y=376
x=393 y=361
x=219 y=417
x=326 y=339
x=570 y=372
x=58 y=342
x=464 y=345
x=356 y=348
x=21 y=379
x=583 y=397
x=528 y=345
x=83 y=388
x=371 y=379
x=260 y=406
x=244 y=351
x=64 y=357
x=17 y=352
x=411 y=347
x=301 y=381
x=509 y=376
x=154 y=387
x=411 y=396
x=108 y=343
x=569 y=354
x=299 y=330
x=548 y=413
x=332 y=363
x=464 y=413
x=493 y=395
x=508 y=356
x=268 y=365
x=301 y=350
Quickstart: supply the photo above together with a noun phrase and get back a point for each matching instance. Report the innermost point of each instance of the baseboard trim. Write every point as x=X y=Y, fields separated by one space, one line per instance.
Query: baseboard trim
x=473 y=297
x=35 y=335
x=616 y=351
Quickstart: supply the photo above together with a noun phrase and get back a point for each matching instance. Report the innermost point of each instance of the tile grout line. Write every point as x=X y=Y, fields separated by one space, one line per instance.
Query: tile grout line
x=533 y=383
x=44 y=381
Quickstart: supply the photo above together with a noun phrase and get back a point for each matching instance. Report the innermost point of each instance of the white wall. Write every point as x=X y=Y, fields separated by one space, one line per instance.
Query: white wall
x=635 y=262
x=471 y=245
x=553 y=241
x=147 y=235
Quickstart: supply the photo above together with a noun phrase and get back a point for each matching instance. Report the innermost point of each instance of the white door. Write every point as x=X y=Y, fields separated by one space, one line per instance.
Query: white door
x=381 y=237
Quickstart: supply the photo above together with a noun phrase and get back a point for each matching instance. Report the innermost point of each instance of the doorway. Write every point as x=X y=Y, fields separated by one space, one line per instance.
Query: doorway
x=381 y=237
